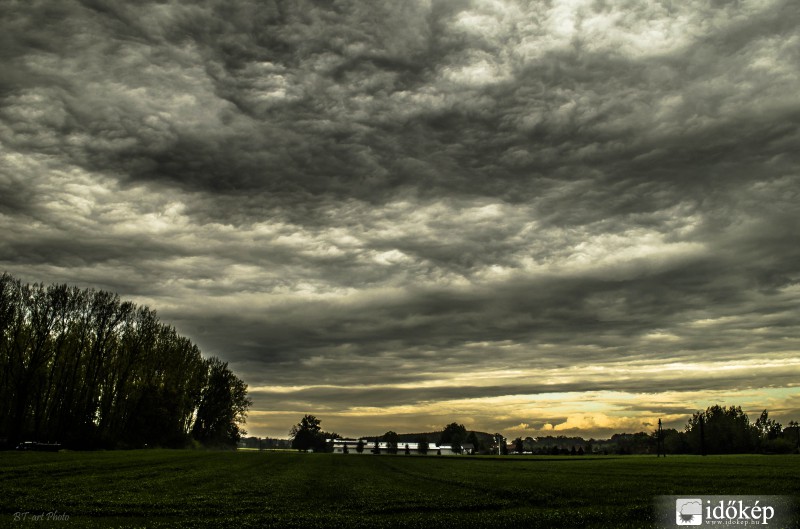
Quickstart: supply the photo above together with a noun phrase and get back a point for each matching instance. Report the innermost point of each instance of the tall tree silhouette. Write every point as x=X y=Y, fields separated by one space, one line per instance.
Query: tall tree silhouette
x=86 y=369
x=307 y=434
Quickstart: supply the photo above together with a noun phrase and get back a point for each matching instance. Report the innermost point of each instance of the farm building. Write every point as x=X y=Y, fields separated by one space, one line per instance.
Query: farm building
x=383 y=447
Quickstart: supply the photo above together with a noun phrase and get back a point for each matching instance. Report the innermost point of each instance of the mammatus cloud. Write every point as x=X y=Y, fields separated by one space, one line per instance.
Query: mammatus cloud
x=399 y=215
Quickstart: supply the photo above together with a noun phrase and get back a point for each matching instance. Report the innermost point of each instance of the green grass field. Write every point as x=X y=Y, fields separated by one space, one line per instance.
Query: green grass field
x=165 y=488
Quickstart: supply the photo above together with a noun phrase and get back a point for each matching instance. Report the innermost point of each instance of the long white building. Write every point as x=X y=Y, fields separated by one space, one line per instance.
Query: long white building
x=369 y=447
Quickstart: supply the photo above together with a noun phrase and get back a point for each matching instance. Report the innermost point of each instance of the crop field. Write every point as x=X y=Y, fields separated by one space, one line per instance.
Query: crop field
x=173 y=488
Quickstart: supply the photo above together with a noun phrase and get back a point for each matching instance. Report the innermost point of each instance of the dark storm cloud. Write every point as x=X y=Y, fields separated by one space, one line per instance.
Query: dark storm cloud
x=391 y=193
x=589 y=320
x=245 y=55
x=342 y=100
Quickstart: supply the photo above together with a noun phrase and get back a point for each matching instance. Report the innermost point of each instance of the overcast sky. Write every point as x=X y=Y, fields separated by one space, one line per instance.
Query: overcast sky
x=550 y=217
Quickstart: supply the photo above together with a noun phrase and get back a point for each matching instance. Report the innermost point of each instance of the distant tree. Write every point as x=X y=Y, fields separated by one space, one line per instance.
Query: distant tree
x=454 y=435
x=478 y=446
x=721 y=430
x=345 y=450
x=391 y=439
x=768 y=429
x=555 y=451
x=771 y=438
x=223 y=406
x=408 y=450
x=634 y=443
x=573 y=451
x=791 y=434
x=675 y=442
x=377 y=449
x=519 y=445
x=528 y=444
x=360 y=446
x=580 y=451
x=422 y=445
x=307 y=434
x=329 y=438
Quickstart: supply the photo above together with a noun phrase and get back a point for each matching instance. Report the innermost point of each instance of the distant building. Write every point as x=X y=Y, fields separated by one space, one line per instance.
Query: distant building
x=369 y=446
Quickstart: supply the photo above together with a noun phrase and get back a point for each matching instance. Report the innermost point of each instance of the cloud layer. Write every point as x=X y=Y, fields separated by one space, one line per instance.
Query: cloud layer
x=565 y=216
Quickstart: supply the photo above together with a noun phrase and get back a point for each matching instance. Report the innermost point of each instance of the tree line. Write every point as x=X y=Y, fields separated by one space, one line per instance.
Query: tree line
x=85 y=369
x=728 y=430
x=717 y=430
